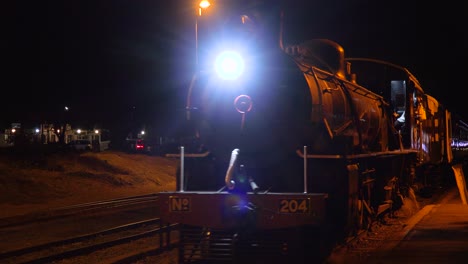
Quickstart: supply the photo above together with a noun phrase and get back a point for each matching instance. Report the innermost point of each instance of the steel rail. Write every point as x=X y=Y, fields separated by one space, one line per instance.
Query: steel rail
x=75 y=209
x=68 y=242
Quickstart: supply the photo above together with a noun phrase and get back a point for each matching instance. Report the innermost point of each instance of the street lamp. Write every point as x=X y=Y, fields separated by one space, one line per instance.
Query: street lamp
x=203 y=4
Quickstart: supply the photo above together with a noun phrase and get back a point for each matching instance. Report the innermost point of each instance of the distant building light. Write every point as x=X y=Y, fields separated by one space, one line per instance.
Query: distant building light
x=13 y=130
x=78 y=131
x=37 y=130
x=96 y=131
x=143 y=132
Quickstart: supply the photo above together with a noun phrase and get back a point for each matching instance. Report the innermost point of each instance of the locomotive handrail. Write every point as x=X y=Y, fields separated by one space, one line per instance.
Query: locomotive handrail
x=353 y=156
x=410 y=75
x=182 y=169
x=182 y=156
x=305 y=169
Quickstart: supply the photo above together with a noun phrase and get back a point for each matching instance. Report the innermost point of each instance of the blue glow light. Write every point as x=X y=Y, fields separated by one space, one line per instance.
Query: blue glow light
x=229 y=65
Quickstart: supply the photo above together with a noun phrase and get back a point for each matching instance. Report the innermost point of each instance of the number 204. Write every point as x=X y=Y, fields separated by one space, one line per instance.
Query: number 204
x=292 y=206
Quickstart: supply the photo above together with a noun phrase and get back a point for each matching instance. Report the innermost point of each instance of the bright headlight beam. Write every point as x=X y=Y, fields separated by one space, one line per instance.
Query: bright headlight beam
x=229 y=65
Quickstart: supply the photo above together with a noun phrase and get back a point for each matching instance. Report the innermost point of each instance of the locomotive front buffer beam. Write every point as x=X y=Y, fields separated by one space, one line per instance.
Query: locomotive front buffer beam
x=231 y=210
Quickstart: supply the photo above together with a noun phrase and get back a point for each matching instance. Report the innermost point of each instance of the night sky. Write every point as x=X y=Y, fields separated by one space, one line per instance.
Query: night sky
x=112 y=61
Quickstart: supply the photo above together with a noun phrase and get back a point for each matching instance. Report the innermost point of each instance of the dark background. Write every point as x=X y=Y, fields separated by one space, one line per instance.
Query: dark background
x=129 y=62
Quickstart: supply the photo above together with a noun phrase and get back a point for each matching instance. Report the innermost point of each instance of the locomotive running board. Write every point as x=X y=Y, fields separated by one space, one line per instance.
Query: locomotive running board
x=356 y=156
x=229 y=210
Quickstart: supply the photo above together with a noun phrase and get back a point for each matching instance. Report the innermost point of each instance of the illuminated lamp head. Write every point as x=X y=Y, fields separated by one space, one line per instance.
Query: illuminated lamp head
x=229 y=65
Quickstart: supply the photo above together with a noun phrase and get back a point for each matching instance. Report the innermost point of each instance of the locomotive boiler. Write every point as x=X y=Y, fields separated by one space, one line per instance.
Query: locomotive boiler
x=297 y=146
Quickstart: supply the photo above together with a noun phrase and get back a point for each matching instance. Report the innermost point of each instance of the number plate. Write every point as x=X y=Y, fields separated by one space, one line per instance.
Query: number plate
x=179 y=204
x=294 y=206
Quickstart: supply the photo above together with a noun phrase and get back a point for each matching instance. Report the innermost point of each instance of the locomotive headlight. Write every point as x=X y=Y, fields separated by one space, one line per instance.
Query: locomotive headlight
x=229 y=65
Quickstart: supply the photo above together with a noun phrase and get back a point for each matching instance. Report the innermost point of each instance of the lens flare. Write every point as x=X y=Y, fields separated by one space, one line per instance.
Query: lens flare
x=229 y=65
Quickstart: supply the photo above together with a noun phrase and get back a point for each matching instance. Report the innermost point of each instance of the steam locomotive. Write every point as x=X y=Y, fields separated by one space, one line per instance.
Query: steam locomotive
x=301 y=144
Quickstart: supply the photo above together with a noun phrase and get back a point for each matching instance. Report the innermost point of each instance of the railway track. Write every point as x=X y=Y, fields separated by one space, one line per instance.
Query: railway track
x=80 y=229
x=85 y=208
x=139 y=239
x=134 y=242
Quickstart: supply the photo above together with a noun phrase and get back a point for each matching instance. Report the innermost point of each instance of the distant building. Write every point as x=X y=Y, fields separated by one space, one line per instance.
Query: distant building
x=4 y=140
x=50 y=134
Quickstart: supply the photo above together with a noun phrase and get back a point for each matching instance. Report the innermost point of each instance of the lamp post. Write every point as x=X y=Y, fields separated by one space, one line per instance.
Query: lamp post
x=203 y=4
x=63 y=127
